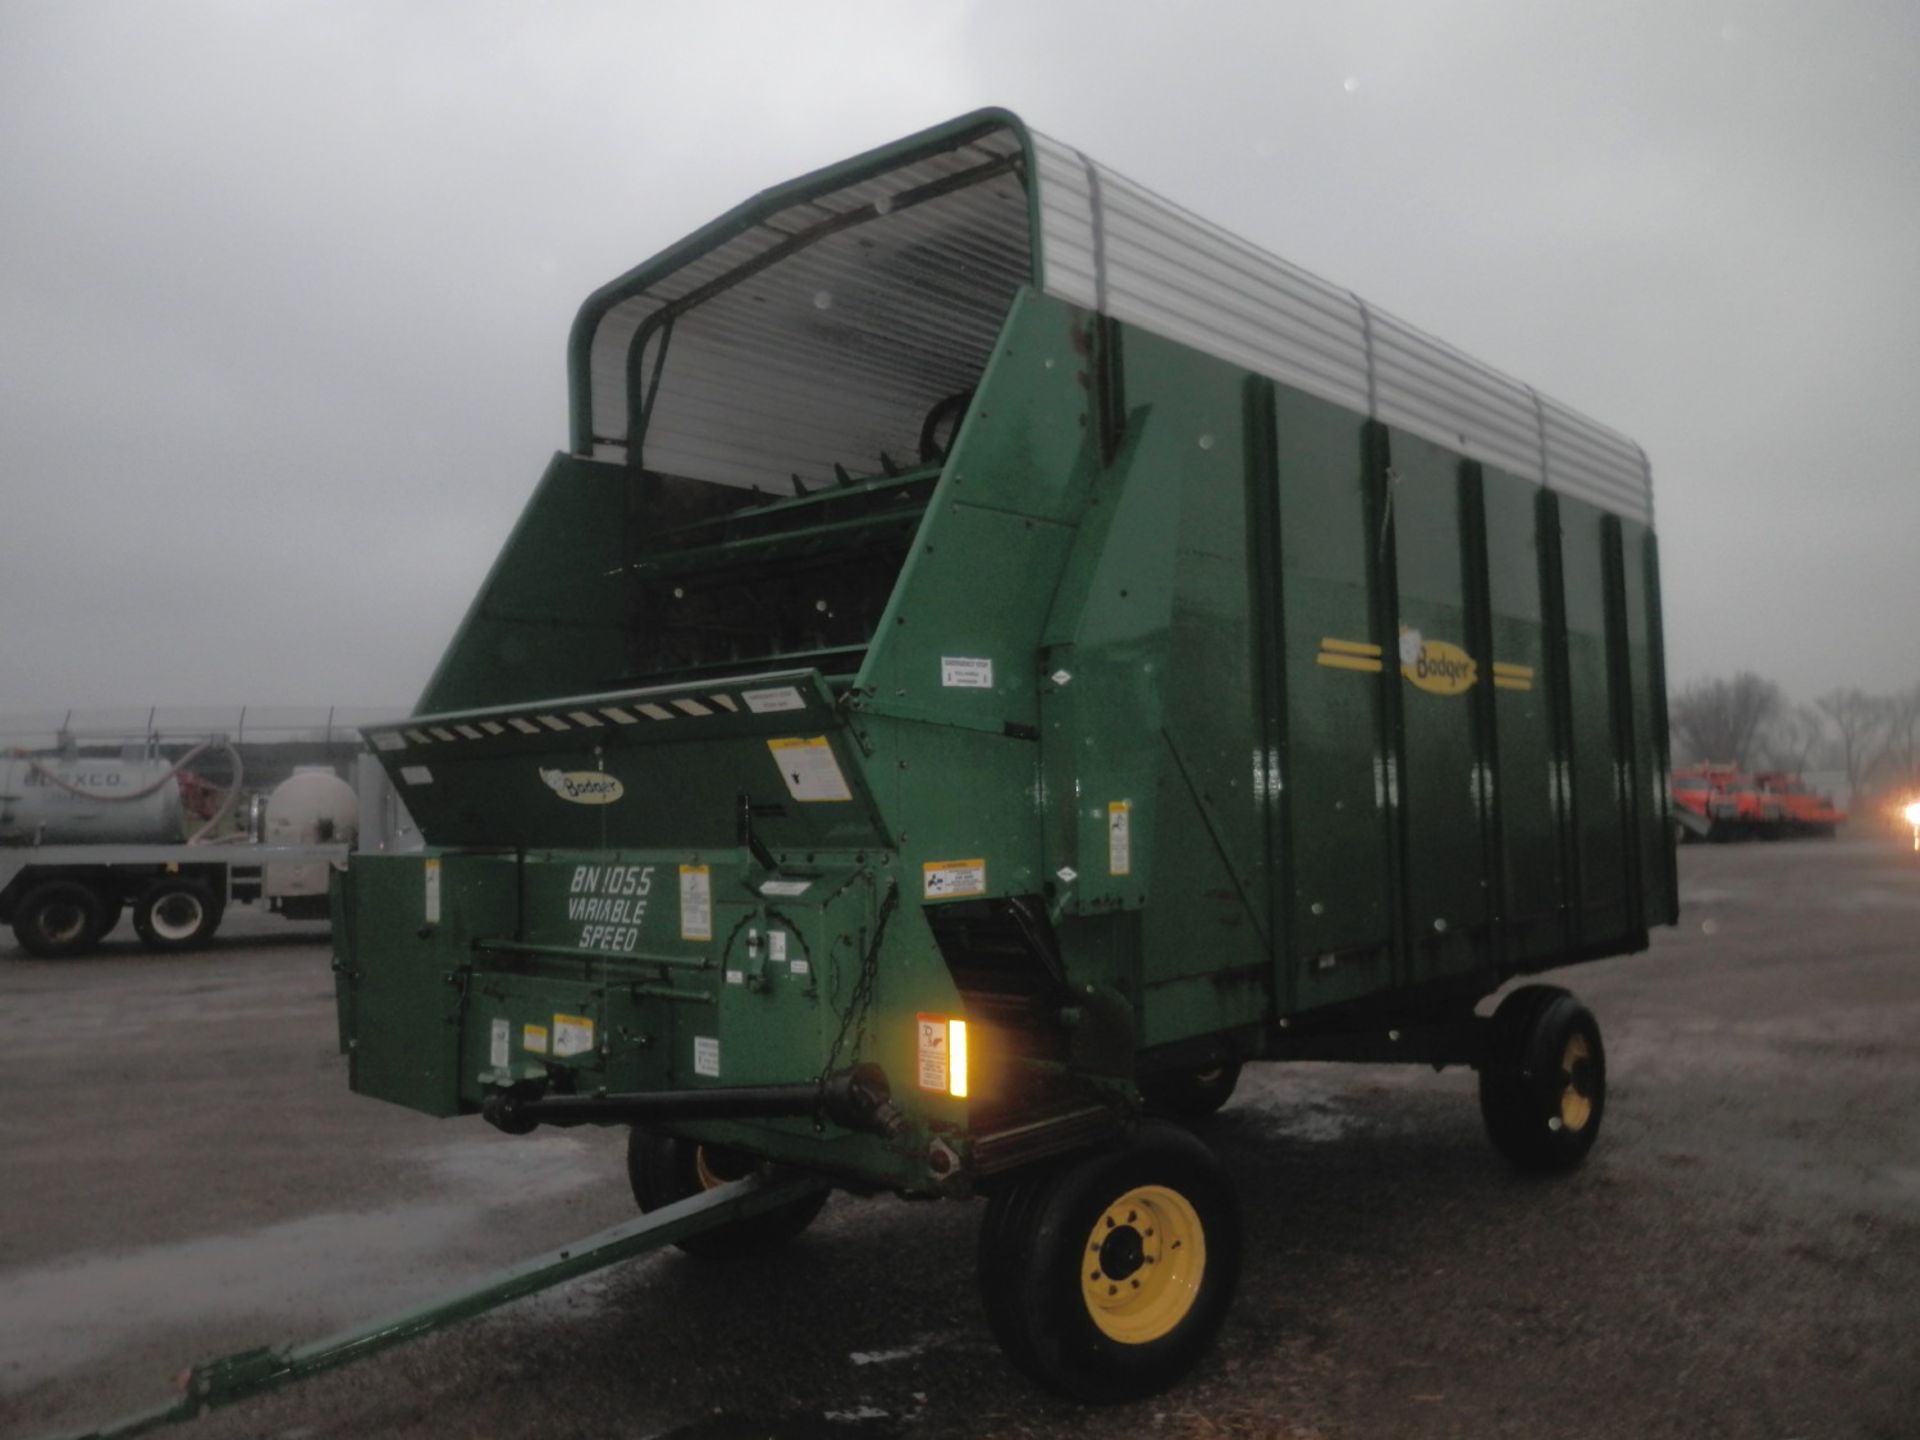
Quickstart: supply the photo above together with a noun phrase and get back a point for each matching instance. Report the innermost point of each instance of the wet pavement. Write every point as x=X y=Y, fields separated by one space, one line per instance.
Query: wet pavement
x=185 y=1175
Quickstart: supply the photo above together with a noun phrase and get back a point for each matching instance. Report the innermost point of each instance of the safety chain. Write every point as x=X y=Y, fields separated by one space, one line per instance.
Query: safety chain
x=854 y=1017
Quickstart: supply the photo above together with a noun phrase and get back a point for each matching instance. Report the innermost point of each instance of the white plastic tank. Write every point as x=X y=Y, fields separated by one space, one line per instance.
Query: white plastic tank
x=312 y=806
x=83 y=800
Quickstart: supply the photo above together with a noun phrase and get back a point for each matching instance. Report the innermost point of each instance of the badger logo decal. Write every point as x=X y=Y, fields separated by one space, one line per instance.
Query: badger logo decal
x=1435 y=666
x=584 y=787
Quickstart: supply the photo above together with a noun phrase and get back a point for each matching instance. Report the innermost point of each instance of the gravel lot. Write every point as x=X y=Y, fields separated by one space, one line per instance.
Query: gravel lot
x=185 y=1175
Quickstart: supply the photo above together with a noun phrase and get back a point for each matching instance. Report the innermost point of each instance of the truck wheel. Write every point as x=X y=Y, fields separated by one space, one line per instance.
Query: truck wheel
x=1106 y=1278
x=663 y=1169
x=1191 y=1095
x=1543 y=1081
x=59 y=918
x=175 y=914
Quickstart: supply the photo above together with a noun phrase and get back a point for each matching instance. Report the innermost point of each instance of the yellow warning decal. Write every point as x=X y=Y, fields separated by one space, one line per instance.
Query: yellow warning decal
x=951 y=879
x=572 y=1035
x=534 y=1038
x=809 y=769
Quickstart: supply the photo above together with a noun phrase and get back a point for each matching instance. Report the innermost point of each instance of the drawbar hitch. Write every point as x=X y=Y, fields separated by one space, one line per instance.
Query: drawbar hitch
x=858 y=1099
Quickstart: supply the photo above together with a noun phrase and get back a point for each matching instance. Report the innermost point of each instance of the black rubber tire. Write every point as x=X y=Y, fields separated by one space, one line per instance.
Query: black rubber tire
x=949 y=412
x=1542 y=1101
x=176 y=914
x=1034 y=1245
x=1191 y=1095
x=1004 y=1232
x=663 y=1168
x=58 y=919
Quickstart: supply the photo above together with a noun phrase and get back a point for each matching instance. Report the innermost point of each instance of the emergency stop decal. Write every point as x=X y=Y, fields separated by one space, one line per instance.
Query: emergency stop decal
x=808 y=767
x=950 y=879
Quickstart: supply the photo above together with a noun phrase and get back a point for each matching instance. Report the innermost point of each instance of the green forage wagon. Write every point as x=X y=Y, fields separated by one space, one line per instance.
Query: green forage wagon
x=997 y=655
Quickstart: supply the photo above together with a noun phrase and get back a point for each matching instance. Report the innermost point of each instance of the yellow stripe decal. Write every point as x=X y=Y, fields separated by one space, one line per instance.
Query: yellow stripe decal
x=1349 y=647
x=1514 y=672
x=1502 y=682
x=1349 y=662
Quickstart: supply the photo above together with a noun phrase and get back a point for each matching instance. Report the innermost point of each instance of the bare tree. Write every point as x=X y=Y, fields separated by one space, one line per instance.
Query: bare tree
x=1902 y=747
x=1792 y=739
x=1721 y=719
x=1859 y=721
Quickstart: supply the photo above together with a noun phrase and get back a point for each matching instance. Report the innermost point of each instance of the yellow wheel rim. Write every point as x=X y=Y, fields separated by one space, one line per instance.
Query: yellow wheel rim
x=1142 y=1265
x=1576 y=1103
x=712 y=1170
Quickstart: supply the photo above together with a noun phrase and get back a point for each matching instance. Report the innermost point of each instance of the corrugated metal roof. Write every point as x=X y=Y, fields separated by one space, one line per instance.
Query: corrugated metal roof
x=1111 y=245
x=833 y=325
x=820 y=322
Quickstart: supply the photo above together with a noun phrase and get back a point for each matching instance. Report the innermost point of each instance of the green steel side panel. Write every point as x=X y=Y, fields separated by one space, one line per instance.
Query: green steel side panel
x=1024 y=444
x=957 y=795
x=1649 y=673
x=1520 y=676
x=1626 y=728
x=549 y=618
x=340 y=907
x=981 y=578
x=592 y=970
x=1115 y=606
x=978 y=590
x=1207 y=926
x=406 y=1003
x=517 y=1020
x=1338 y=916
x=744 y=995
x=662 y=782
x=1595 y=761
x=1441 y=789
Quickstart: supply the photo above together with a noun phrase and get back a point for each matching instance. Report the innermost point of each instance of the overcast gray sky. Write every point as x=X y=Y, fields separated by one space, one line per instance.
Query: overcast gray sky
x=285 y=288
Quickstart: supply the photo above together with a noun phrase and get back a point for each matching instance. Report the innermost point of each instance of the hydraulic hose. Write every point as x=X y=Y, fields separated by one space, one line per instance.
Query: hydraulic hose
x=228 y=801
x=85 y=794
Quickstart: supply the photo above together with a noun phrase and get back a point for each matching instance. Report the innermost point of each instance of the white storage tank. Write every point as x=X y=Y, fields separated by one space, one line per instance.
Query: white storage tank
x=82 y=800
x=312 y=806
